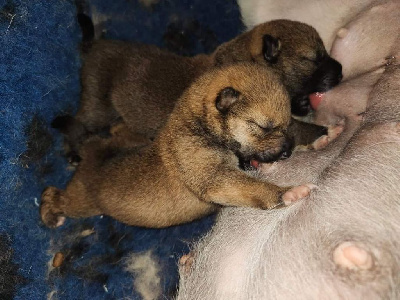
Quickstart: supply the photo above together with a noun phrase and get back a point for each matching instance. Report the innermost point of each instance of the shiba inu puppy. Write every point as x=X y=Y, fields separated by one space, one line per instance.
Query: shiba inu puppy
x=140 y=84
x=228 y=116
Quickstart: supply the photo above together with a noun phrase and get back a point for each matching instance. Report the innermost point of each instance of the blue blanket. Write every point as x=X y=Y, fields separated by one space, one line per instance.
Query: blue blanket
x=39 y=80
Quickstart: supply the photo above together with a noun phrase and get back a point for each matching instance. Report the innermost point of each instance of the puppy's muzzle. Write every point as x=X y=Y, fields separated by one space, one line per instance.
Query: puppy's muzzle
x=269 y=156
x=326 y=76
x=252 y=161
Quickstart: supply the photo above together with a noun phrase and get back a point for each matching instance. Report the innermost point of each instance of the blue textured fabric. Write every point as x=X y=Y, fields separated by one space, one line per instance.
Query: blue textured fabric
x=39 y=80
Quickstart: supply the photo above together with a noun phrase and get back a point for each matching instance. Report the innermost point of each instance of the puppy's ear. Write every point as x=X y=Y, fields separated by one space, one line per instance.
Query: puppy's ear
x=226 y=98
x=271 y=48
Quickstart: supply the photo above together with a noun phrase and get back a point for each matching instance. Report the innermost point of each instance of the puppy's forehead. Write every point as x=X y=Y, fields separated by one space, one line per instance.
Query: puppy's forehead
x=261 y=93
x=250 y=80
x=293 y=35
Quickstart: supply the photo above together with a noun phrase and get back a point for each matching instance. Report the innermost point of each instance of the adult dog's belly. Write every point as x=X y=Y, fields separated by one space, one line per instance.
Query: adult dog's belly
x=343 y=241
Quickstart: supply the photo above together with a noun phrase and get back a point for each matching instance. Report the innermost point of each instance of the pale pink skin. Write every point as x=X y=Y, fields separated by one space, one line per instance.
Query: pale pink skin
x=346 y=100
x=351 y=256
x=326 y=16
x=363 y=56
x=297 y=193
x=358 y=51
x=341 y=242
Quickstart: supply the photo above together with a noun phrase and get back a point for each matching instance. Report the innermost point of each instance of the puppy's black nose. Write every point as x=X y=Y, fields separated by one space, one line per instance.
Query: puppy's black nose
x=328 y=75
x=287 y=148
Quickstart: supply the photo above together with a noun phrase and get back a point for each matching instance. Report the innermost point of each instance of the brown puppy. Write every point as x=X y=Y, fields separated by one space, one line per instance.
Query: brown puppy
x=236 y=113
x=141 y=83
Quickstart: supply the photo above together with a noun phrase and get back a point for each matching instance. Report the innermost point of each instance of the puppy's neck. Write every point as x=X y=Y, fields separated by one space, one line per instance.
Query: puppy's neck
x=202 y=62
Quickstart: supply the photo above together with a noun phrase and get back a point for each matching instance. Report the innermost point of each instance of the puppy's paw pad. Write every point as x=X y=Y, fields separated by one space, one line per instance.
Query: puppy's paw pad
x=186 y=262
x=296 y=193
x=351 y=256
x=60 y=221
x=321 y=142
x=49 y=218
x=333 y=133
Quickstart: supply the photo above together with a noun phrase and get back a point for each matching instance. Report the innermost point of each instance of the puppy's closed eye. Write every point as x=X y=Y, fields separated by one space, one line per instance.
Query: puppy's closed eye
x=310 y=59
x=266 y=126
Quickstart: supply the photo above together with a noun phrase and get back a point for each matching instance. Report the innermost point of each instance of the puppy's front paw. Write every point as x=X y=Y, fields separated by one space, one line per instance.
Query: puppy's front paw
x=50 y=214
x=333 y=133
x=186 y=262
x=296 y=193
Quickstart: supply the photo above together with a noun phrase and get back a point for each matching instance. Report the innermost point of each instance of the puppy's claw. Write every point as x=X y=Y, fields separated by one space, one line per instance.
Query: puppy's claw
x=60 y=221
x=296 y=193
x=73 y=158
x=50 y=215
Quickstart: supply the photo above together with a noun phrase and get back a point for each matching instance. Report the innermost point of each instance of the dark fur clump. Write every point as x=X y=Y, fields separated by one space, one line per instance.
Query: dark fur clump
x=7 y=11
x=39 y=141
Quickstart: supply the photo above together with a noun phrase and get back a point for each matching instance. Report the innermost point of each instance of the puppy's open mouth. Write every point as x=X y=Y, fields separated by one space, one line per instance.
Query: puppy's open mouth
x=254 y=163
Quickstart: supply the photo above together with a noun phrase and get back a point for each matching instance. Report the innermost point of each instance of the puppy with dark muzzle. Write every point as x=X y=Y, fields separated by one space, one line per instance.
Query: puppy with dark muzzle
x=139 y=84
x=230 y=114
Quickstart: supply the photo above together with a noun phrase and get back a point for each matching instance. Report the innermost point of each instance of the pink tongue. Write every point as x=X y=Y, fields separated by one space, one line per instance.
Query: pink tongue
x=254 y=163
x=315 y=99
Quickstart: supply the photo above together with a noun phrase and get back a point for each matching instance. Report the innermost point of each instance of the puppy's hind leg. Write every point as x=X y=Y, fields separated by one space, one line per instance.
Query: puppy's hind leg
x=76 y=200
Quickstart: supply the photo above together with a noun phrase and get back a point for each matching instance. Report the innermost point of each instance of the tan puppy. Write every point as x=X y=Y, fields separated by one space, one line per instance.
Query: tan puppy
x=233 y=114
x=141 y=83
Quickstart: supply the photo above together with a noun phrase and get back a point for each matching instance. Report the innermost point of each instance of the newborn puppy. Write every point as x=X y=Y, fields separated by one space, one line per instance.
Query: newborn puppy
x=141 y=83
x=234 y=114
